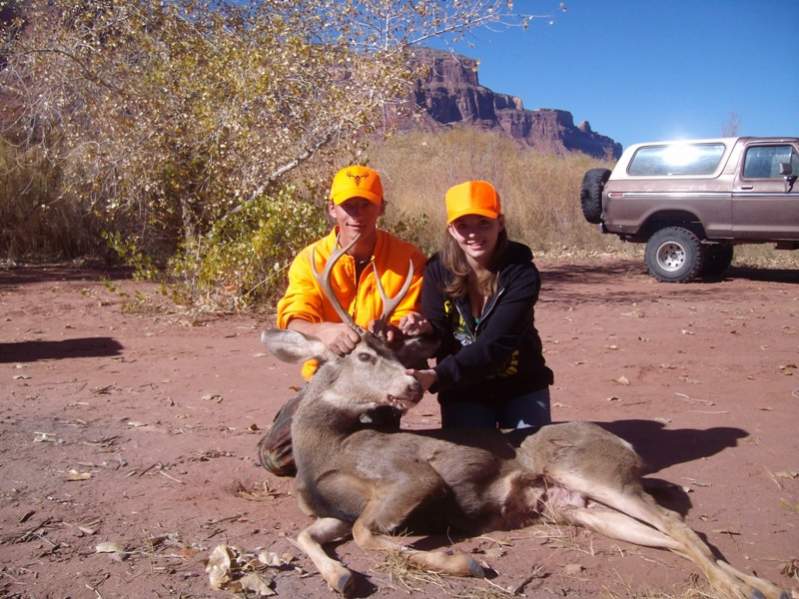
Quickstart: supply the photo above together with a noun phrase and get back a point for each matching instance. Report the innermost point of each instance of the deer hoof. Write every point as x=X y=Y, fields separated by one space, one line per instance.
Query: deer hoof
x=476 y=569
x=784 y=595
x=757 y=594
x=343 y=583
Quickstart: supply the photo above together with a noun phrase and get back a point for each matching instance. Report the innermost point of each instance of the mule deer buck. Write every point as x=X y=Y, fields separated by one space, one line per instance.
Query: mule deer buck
x=367 y=483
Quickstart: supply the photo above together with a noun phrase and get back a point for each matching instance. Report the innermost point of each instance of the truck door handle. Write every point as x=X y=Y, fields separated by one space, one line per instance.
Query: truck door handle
x=747 y=187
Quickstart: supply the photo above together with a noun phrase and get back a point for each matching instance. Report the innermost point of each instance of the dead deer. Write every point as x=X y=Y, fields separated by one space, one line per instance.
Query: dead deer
x=368 y=483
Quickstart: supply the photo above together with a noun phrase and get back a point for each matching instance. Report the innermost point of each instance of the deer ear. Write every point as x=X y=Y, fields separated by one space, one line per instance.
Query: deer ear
x=293 y=346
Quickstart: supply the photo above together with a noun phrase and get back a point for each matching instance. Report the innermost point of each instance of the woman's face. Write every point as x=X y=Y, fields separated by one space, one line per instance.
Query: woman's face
x=477 y=236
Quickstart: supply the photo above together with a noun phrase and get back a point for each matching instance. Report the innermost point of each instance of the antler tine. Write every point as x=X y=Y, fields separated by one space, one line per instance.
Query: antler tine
x=324 y=281
x=390 y=304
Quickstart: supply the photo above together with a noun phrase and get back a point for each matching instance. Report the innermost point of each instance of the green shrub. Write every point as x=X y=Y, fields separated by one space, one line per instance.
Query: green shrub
x=244 y=258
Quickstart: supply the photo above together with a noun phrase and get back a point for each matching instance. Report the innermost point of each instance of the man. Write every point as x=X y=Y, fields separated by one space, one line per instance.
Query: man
x=355 y=204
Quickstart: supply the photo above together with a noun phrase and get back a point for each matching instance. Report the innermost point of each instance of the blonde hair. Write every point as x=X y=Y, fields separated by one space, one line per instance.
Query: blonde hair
x=454 y=260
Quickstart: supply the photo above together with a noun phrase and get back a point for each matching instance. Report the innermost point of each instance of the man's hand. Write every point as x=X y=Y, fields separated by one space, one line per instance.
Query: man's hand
x=413 y=324
x=338 y=337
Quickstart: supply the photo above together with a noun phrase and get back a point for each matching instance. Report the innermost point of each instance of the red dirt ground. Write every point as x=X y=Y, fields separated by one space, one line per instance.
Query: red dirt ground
x=158 y=414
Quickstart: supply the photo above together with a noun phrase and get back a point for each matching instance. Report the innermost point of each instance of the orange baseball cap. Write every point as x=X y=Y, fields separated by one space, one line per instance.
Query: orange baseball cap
x=356 y=182
x=472 y=197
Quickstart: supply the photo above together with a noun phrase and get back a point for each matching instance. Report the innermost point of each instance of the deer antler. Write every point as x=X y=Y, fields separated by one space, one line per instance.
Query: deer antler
x=390 y=304
x=324 y=281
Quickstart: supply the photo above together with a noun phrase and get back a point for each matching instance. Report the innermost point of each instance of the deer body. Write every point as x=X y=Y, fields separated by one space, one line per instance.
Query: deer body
x=461 y=483
x=368 y=483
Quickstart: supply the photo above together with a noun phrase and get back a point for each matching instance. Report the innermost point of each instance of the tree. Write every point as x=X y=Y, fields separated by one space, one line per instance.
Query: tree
x=164 y=117
x=731 y=125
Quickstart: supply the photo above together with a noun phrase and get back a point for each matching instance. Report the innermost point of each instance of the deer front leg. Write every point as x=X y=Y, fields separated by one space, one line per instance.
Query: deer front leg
x=311 y=539
x=390 y=507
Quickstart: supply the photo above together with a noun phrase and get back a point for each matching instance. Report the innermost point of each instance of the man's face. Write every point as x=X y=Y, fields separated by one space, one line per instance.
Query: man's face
x=355 y=216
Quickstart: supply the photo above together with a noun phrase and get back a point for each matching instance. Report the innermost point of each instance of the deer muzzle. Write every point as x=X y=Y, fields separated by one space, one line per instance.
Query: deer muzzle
x=411 y=395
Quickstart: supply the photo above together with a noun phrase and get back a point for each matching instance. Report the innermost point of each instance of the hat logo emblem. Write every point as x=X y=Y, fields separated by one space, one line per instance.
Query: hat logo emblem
x=357 y=178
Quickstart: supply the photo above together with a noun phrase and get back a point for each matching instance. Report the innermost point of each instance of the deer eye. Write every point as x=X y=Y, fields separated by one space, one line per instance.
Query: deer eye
x=364 y=357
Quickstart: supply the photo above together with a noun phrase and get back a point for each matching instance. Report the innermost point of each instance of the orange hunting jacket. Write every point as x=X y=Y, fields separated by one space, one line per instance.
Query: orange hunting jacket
x=304 y=298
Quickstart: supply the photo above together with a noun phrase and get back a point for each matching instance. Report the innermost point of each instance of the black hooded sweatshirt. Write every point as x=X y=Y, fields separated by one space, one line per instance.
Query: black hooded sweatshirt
x=497 y=356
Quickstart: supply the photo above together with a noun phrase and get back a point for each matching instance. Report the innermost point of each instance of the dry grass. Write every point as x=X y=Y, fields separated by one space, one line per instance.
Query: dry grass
x=411 y=579
x=36 y=223
x=540 y=192
x=560 y=544
x=765 y=256
x=255 y=491
x=693 y=589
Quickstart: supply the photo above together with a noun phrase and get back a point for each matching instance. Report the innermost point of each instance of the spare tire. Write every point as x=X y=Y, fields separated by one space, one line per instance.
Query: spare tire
x=591 y=193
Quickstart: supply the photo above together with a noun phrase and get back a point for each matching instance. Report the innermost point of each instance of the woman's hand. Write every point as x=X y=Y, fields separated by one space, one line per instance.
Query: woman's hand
x=425 y=377
x=413 y=324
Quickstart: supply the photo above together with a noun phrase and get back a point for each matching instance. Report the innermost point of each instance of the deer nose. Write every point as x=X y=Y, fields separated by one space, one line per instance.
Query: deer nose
x=415 y=390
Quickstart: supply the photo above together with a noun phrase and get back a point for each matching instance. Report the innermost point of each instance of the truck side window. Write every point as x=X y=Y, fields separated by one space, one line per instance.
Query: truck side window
x=668 y=160
x=763 y=162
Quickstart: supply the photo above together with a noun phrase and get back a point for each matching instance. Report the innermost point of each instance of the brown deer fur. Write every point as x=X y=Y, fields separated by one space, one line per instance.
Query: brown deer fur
x=368 y=483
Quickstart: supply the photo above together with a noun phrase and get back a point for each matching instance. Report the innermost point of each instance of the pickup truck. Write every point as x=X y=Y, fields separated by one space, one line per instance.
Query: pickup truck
x=692 y=200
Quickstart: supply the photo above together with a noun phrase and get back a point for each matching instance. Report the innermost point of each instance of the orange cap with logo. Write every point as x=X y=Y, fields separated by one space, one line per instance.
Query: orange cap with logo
x=472 y=197
x=356 y=182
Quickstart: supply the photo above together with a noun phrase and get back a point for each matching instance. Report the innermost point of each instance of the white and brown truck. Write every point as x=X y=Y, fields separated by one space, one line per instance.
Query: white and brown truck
x=691 y=201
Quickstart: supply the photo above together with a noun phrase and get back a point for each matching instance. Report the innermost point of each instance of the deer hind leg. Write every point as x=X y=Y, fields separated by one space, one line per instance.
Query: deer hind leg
x=311 y=539
x=767 y=589
x=615 y=525
x=721 y=575
x=390 y=507
x=634 y=502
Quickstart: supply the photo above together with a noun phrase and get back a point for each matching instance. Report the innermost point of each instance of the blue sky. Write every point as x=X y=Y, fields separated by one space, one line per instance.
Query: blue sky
x=641 y=70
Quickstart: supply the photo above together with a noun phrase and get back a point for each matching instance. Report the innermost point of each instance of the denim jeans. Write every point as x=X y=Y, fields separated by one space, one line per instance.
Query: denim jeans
x=522 y=411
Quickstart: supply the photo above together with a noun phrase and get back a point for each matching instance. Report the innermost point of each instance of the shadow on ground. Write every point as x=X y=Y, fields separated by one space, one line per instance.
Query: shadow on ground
x=560 y=283
x=591 y=273
x=774 y=275
x=13 y=277
x=660 y=447
x=86 y=347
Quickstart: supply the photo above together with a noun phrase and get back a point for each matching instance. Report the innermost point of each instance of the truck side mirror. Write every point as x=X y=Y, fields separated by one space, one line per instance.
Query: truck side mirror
x=787 y=173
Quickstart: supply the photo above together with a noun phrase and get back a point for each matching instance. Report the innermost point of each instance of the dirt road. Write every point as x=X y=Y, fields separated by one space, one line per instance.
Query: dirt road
x=134 y=429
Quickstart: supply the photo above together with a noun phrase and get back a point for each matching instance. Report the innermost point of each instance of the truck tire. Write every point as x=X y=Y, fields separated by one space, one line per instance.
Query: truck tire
x=674 y=255
x=591 y=193
x=717 y=259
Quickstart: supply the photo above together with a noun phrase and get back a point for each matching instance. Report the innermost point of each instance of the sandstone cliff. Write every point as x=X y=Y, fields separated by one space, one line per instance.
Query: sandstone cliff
x=451 y=94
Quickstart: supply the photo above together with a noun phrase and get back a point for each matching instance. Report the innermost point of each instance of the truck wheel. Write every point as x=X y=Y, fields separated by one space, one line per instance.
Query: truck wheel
x=591 y=193
x=717 y=259
x=674 y=255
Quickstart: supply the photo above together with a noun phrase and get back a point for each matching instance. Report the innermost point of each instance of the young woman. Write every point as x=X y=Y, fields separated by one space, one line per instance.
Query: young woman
x=478 y=296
